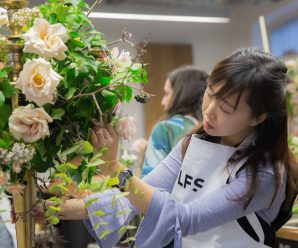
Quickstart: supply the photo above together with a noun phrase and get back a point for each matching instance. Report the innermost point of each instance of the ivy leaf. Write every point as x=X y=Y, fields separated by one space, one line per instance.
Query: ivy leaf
x=107 y=93
x=8 y=89
x=2 y=98
x=54 y=220
x=83 y=5
x=78 y=43
x=53 y=18
x=70 y=93
x=4 y=72
x=54 y=209
x=5 y=111
x=40 y=146
x=55 y=199
x=105 y=80
x=57 y=113
x=96 y=163
x=125 y=93
x=63 y=167
x=63 y=176
x=74 y=34
x=59 y=137
x=85 y=148
x=86 y=64
x=5 y=140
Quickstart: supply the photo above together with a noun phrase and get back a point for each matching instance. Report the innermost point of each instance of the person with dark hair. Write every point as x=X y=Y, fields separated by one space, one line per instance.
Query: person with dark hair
x=229 y=183
x=183 y=94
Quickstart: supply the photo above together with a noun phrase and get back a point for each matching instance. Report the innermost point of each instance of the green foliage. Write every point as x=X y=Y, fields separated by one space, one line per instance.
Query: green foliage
x=295 y=209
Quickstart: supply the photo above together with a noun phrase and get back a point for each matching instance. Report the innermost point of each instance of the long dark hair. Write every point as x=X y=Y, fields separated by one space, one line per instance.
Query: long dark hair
x=264 y=78
x=188 y=84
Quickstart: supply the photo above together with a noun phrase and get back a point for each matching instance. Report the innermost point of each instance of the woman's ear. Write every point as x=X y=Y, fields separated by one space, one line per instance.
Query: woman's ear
x=256 y=121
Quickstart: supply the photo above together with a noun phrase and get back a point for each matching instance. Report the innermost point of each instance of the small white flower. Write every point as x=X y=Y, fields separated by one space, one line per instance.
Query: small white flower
x=126 y=127
x=129 y=156
x=120 y=61
x=16 y=167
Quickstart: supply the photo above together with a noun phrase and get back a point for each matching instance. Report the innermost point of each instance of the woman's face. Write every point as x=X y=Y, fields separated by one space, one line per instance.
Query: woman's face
x=220 y=118
x=168 y=93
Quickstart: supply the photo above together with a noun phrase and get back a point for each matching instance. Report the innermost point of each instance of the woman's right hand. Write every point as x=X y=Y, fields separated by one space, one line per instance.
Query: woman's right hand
x=106 y=136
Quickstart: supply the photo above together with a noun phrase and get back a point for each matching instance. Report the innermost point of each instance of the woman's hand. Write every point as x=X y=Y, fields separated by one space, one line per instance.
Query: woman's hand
x=72 y=209
x=106 y=136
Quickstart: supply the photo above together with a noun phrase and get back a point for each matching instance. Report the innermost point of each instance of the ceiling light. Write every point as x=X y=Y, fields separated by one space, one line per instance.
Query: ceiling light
x=164 y=18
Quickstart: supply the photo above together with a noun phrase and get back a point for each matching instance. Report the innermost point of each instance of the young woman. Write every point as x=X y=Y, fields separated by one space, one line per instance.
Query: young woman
x=183 y=94
x=230 y=183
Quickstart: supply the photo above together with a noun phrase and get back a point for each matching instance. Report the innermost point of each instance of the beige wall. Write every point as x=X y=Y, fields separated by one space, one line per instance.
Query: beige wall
x=211 y=42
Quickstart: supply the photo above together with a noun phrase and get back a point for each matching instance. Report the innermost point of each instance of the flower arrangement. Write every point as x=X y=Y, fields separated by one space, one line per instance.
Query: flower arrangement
x=71 y=80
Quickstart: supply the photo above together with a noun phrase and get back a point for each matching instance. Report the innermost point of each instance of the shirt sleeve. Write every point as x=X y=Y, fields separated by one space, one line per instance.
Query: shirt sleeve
x=107 y=215
x=167 y=219
x=169 y=169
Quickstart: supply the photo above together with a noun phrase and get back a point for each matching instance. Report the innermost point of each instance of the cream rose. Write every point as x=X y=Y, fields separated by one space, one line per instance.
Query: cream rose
x=46 y=40
x=38 y=81
x=29 y=123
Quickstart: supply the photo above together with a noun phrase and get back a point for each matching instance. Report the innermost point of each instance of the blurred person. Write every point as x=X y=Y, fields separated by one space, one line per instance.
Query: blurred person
x=7 y=229
x=183 y=92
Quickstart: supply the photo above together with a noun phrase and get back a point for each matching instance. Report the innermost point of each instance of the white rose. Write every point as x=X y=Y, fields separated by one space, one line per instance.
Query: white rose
x=29 y=123
x=38 y=81
x=120 y=61
x=46 y=40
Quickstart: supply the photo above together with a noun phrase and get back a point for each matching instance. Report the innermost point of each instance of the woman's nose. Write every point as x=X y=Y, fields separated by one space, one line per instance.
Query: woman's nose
x=210 y=109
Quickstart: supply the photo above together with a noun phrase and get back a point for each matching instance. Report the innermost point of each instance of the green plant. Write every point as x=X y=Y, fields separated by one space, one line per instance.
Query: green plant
x=71 y=80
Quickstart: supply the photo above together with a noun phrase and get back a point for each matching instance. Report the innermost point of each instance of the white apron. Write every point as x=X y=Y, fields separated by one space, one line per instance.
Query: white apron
x=203 y=171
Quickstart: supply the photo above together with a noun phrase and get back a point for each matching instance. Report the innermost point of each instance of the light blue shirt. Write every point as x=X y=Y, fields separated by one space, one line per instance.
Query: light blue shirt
x=168 y=219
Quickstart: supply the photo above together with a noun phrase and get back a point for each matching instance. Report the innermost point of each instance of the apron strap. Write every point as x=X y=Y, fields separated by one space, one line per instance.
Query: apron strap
x=268 y=230
x=247 y=227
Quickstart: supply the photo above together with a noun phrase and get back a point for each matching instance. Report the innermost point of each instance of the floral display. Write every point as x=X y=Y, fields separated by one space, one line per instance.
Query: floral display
x=71 y=79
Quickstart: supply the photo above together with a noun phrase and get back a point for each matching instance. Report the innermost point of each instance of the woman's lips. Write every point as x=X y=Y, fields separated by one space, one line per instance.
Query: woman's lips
x=207 y=125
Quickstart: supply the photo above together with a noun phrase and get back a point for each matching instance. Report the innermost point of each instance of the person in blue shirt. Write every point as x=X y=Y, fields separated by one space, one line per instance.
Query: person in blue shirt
x=183 y=94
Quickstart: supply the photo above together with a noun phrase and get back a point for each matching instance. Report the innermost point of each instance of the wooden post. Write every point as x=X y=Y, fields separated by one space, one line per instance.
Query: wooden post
x=25 y=227
x=264 y=34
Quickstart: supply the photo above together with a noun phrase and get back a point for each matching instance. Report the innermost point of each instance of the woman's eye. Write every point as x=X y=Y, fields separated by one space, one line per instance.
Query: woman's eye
x=225 y=111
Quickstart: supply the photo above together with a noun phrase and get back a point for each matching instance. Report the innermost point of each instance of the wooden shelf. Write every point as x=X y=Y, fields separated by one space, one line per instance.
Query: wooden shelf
x=288 y=233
